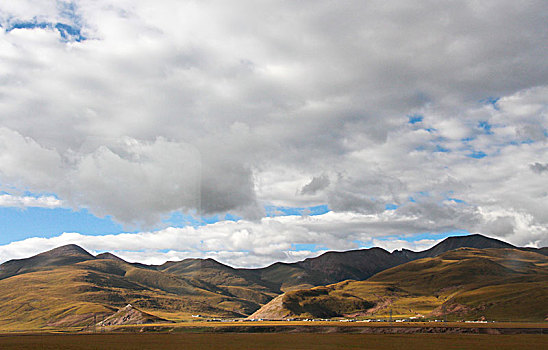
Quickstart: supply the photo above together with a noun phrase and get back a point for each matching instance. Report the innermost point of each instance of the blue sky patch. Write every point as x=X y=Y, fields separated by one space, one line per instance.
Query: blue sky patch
x=441 y=149
x=485 y=126
x=66 y=31
x=178 y=219
x=416 y=118
x=456 y=200
x=69 y=33
x=27 y=25
x=390 y=206
x=308 y=247
x=230 y=217
x=273 y=211
x=210 y=219
x=477 y=154
x=17 y=224
x=491 y=101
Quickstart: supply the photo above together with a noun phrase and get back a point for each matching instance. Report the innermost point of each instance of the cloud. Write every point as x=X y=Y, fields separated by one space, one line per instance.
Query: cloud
x=7 y=200
x=137 y=182
x=538 y=168
x=210 y=108
x=27 y=163
x=317 y=183
x=259 y=243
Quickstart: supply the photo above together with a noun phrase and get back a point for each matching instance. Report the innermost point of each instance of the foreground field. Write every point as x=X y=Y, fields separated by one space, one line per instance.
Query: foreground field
x=506 y=328
x=492 y=328
x=269 y=341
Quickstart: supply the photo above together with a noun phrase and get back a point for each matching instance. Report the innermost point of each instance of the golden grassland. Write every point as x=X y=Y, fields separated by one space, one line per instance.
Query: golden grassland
x=73 y=295
x=203 y=325
x=270 y=341
x=464 y=284
x=496 y=284
x=293 y=326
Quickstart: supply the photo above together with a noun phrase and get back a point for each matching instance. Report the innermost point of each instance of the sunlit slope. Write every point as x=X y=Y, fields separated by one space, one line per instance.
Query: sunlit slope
x=67 y=286
x=467 y=283
x=71 y=295
x=39 y=299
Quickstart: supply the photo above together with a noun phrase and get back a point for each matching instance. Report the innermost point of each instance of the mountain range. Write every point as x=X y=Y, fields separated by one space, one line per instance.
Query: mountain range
x=503 y=284
x=69 y=287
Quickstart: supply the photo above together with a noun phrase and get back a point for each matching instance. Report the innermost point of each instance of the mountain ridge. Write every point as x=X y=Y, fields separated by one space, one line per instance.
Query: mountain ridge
x=464 y=283
x=67 y=286
x=329 y=267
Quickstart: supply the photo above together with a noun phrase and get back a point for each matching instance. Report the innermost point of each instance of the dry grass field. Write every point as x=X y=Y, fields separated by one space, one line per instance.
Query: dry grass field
x=146 y=341
x=303 y=325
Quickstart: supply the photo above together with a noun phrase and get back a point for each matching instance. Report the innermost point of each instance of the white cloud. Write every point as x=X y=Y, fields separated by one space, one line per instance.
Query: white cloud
x=215 y=107
x=8 y=200
x=256 y=244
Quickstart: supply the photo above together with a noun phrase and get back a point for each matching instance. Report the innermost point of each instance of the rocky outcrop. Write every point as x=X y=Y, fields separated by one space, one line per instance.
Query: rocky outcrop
x=130 y=315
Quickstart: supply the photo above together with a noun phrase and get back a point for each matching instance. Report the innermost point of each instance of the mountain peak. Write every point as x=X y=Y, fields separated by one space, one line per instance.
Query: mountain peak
x=475 y=240
x=67 y=250
x=64 y=255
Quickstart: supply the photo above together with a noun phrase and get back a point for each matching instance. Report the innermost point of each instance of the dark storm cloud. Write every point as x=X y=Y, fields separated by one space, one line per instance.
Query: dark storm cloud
x=538 y=168
x=317 y=183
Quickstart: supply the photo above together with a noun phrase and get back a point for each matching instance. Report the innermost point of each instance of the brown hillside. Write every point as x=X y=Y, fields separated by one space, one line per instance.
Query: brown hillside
x=67 y=286
x=503 y=284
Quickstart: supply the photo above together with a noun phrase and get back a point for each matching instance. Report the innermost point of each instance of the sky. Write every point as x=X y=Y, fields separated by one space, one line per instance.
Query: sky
x=261 y=131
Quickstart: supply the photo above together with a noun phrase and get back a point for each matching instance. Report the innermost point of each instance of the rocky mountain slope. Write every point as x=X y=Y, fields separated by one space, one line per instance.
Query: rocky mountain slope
x=130 y=315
